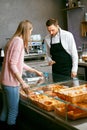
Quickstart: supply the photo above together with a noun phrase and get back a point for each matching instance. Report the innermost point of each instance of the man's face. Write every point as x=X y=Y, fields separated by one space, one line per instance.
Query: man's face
x=52 y=30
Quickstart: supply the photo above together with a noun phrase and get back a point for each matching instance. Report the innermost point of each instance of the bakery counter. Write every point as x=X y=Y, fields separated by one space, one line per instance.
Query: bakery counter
x=51 y=119
x=82 y=69
x=42 y=117
x=48 y=118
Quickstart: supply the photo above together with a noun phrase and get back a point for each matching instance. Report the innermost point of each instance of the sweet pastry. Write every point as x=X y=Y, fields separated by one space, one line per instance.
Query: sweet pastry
x=56 y=87
x=74 y=94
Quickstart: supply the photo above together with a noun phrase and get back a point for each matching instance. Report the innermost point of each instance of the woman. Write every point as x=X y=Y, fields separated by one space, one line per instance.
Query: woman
x=11 y=75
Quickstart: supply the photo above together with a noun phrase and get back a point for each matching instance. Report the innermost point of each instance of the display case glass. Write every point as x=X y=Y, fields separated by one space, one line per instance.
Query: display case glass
x=66 y=98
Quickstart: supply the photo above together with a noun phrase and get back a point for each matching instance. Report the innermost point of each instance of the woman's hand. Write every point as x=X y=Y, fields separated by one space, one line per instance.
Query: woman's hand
x=40 y=73
x=25 y=87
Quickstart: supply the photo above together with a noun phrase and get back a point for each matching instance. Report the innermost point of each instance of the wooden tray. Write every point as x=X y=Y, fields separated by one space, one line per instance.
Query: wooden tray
x=74 y=94
x=72 y=112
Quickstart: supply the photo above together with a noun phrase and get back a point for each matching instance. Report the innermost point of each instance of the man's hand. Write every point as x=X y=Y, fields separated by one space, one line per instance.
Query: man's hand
x=73 y=74
x=51 y=63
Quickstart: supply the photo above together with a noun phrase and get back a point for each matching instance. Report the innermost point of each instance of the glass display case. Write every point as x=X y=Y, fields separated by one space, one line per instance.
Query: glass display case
x=64 y=101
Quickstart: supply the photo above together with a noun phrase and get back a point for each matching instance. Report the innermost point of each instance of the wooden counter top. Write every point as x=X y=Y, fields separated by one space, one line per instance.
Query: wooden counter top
x=82 y=63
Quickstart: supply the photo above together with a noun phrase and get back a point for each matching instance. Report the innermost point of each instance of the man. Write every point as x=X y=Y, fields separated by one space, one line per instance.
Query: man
x=61 y=50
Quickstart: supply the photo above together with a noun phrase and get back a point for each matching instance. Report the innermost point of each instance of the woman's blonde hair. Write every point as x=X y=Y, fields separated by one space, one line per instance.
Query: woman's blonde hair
x=23 y=30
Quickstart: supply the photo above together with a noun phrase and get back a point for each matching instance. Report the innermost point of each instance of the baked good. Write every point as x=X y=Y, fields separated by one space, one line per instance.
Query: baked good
x=43 y=101
x=72 y=111
x=56 y=87
x=74 y=94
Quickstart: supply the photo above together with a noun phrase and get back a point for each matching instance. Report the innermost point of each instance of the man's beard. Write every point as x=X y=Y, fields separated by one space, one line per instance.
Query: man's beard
x=53 y=35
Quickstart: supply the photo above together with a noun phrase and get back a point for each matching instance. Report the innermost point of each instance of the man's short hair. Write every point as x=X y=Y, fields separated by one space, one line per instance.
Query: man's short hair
x=51 y=21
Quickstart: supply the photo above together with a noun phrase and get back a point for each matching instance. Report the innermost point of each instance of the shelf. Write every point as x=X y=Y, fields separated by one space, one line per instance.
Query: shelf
x=84 y=22
x=84 y=28
x=76 y=7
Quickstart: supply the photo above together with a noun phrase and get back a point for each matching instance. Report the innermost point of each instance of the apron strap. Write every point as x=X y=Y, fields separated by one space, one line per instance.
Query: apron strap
x=50 y=40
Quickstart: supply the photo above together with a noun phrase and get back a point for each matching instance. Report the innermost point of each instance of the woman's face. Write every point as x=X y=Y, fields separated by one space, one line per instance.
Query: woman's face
x=53 y=30
x=30 y=31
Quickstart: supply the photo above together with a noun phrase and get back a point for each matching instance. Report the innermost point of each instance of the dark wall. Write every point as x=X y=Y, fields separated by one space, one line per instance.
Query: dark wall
x=74 y=18
x=37 y=11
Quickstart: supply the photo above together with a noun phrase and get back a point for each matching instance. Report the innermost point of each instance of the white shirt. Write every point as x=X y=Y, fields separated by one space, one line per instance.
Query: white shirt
x=68 y=43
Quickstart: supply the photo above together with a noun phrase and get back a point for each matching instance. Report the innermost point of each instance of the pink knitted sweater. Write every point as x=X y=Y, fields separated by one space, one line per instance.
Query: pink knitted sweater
x=13 y=63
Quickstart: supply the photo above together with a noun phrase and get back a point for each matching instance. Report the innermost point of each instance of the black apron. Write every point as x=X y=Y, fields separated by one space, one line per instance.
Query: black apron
x=63 y=60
